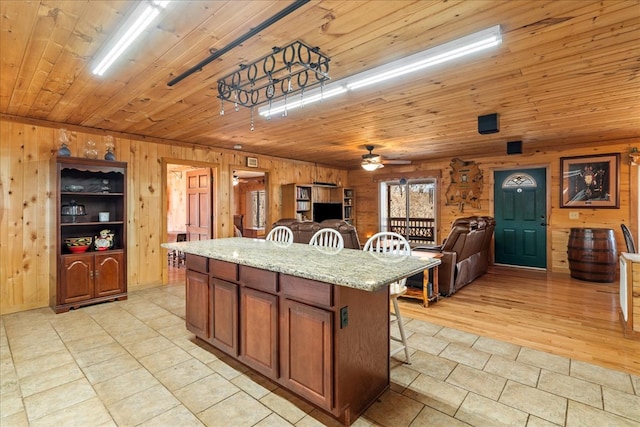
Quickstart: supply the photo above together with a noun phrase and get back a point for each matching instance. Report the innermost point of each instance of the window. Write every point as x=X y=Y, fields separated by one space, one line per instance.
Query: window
x=408 y=208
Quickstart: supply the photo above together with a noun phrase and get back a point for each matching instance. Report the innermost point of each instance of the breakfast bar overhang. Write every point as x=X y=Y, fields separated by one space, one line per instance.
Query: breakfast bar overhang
x=314 y=320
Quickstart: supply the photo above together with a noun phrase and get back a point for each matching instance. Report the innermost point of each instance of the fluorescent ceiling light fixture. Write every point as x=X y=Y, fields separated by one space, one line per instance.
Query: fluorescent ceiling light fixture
x=449 y=51
x=135 y=24
x=370 y=167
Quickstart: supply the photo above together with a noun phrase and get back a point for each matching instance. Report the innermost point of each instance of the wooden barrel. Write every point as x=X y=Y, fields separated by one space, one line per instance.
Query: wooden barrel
x=592 y=254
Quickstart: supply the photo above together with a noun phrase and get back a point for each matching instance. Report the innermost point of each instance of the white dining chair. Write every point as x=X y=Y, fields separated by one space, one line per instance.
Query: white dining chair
x=393 y=244
x=328 y=238
x=280 y=234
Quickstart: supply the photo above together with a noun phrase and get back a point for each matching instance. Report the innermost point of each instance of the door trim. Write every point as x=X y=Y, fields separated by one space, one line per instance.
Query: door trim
x=492 y=212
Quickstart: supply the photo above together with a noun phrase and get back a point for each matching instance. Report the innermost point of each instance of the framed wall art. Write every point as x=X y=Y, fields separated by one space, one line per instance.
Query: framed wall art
x=590 y=181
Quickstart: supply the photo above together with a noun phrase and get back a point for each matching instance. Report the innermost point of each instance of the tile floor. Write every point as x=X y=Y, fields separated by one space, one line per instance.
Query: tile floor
x=133 y=363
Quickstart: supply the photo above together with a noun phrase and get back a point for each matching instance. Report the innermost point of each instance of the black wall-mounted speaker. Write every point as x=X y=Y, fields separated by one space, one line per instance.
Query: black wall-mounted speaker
x=514 y=147
x=488 y=124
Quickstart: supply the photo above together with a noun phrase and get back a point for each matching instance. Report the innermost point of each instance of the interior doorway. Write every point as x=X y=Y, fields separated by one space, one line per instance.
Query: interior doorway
x=178 y=175
x=250 y=202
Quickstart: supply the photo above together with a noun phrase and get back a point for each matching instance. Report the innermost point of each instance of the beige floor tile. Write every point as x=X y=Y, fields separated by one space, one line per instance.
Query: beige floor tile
x=273 y=420
x=99 y=354
x=206 y=392
x=142 y=406
x=402 y=376
x=19 y=419
x=429 y=417
x=512 y=370
x=49 y=401
x=543 y=360
x=239 y=410
x=70 y=331
x=90 y=412
x=228 y=368
x=318 y=418
x=436 y=394
x=254 y=385
x=26 y=336
x=284 y=407
x=164 y=359
x=203 y=355
x=480 y=411
x=572 y=388
x=499 y=348
x=148 y=346
x=581 y=415
x=87 y=343
x=50 y=378
x=457 y=336
x=33 y=366
x=625 y=404
x=125 y=385
x=165 y=321
x=182 y=374
x=110 y=368
x=145 y=311
x=427 y=343
x=175 y=332
x=177 y=416
x=37 y=349
x=431 y=365
x=537 y=402
x=422 y=327
x=10 y=403
x=615 y=379
x=130 y=336
x=8 y=377
x=539 y=422
x=465 y=355
x=483 y=383
x=635 y=380
x=393 y=409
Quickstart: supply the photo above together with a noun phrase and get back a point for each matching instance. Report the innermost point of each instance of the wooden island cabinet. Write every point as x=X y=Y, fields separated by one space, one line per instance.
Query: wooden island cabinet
x=324 y=337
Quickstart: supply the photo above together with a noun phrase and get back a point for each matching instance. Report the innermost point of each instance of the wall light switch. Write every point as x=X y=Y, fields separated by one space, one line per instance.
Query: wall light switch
x=574 y=215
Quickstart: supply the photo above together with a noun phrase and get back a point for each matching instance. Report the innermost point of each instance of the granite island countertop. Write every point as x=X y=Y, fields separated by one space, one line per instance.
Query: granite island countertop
x=347 y=267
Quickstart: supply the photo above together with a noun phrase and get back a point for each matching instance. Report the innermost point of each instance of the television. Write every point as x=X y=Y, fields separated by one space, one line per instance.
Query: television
x=322 y=211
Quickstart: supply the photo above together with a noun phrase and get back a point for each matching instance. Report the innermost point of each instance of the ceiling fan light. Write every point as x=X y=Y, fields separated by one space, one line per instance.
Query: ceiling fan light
x=370 y=167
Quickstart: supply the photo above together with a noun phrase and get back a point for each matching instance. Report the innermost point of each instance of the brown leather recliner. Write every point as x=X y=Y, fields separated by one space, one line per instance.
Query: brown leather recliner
x=465 y=252
x=304 y=230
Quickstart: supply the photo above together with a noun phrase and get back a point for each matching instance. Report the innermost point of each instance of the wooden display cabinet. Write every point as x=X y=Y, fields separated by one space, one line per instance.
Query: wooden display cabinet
x=95 y=186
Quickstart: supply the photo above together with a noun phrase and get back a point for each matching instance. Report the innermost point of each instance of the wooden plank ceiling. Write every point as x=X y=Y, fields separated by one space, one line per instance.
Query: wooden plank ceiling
x=565 y=74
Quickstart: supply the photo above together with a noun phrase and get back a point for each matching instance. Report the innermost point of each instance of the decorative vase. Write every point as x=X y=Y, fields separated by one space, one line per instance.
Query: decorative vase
x=109 y=155
x=64 y=150
x=63 y=138
x=90 y=151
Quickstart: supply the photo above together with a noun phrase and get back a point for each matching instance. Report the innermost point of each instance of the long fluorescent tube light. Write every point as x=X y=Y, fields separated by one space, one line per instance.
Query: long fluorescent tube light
x=454 y=49
x=135 y=24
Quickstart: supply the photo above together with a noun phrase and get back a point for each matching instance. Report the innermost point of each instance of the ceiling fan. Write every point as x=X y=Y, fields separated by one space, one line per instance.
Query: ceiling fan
x=371 y=162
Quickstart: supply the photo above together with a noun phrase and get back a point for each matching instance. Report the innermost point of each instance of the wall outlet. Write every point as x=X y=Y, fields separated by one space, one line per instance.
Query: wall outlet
x=574 y=215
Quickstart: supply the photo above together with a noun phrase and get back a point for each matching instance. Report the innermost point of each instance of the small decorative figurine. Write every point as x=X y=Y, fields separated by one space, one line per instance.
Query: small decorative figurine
x=104 y=241
x=63 y=138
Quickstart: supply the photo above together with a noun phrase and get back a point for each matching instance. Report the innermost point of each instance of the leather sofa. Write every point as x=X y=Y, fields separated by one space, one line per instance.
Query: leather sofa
x=304 y=230
x=465 y=252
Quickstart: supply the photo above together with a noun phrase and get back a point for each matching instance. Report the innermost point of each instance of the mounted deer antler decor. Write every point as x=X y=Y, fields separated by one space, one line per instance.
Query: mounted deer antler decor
x=466 y=184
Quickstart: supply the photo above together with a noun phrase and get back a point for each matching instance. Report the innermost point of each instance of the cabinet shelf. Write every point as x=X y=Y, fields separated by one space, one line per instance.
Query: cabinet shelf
x=91 y=223
x=84 y=194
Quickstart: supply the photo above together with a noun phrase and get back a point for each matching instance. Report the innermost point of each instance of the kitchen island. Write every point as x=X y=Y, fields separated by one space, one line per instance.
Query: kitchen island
x=313 y=320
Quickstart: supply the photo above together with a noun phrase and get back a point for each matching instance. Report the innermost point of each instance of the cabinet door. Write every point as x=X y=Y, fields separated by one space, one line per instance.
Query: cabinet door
x=307 y=352
x=224 y=316
x=76 y=283
x=259 y=331
x=108 y=274
x=197 y=303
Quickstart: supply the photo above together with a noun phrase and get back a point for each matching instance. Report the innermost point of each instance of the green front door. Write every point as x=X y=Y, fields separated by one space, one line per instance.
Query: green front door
x=521 y=217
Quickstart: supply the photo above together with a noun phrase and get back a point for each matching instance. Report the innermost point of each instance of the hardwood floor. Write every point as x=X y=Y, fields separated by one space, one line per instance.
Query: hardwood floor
x=549 y=312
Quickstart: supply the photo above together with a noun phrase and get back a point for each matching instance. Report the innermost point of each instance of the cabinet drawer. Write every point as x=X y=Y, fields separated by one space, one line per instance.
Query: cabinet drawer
x=261 y=280
x=306 y=290
x=196 y=263
x=223 y=270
